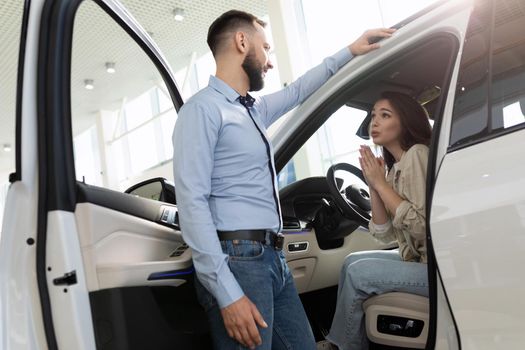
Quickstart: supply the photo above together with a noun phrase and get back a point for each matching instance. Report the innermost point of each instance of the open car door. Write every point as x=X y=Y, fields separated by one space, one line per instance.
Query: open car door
x=100 y=268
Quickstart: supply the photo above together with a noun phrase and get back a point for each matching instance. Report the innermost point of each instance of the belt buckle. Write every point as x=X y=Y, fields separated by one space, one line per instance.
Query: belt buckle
x=278 y=242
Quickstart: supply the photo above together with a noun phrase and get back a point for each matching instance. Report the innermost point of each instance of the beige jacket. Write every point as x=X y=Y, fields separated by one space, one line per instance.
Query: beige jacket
x=408 y=178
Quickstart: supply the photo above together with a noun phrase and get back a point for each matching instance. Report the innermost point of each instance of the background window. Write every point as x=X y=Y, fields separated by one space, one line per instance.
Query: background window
x=122 y=118
x=87 y=159
x=490 y=94
x=11 y=12
x=331 y=24
x=470 y=116
x=139 y=110
x=334 y=142
x=184 y=42
x=508 y=65
x=129 y=110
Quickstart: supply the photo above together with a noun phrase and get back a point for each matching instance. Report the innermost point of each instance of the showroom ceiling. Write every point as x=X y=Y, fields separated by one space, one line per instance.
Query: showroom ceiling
x=98 y=40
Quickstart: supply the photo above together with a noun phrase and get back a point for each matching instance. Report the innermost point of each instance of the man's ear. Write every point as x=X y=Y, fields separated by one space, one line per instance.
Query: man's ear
x=241 y=42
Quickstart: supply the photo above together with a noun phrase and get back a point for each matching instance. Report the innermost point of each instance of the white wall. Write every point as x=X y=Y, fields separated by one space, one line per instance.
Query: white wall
x=164 y=170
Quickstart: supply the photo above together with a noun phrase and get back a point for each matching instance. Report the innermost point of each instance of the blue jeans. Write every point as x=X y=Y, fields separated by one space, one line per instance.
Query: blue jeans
x=266 y=280
x=366 y=274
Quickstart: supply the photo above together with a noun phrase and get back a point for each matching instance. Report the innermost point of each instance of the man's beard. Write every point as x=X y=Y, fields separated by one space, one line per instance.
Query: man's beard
x=254 y=72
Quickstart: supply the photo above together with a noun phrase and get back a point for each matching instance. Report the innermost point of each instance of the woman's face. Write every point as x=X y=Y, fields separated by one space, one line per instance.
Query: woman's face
x=385 y=128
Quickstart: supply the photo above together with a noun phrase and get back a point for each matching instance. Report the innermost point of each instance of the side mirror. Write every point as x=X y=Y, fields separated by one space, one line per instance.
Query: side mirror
x=158 y=189
x=362 y=132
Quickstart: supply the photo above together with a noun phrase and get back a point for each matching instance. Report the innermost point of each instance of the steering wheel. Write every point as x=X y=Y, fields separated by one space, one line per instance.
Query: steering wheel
x=353 y=201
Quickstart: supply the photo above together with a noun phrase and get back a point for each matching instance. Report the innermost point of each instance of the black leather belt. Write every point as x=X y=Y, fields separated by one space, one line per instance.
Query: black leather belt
x=276 y=240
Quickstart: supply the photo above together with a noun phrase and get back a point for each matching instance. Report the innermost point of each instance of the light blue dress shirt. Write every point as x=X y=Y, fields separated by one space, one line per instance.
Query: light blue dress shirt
x=223 y=180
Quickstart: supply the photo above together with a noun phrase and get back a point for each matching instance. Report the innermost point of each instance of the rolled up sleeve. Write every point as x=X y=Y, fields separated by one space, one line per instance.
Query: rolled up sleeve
x=383 y=233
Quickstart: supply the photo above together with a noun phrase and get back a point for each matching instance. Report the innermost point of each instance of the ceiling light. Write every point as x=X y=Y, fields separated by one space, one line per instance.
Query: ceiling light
x=7 y=147
x=110 y=67
x=88 y=84
x=178 y=14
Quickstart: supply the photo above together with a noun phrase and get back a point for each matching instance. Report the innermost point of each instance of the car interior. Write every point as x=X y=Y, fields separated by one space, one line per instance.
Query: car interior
x=317 y=204
x=139 y=271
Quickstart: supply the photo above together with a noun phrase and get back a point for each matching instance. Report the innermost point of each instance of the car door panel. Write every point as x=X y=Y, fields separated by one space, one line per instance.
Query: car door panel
x=447 y=336
x=477 y=204
x=137 y=318
x=122 y=250
x=478 y=223
x=139 y=274
x=71 y=310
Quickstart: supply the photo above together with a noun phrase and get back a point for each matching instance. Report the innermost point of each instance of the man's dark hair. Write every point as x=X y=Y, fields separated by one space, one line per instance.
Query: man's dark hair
x=229 y=22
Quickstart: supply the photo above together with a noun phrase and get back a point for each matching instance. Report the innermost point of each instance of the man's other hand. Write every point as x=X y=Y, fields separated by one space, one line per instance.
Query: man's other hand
x=241 y=319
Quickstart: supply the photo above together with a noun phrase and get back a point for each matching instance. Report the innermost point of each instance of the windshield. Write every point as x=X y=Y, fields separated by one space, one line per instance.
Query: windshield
x=334 y=142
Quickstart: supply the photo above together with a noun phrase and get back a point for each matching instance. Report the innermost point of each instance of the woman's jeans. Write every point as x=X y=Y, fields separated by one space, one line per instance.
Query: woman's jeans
x=364 y=275
x=266 y=280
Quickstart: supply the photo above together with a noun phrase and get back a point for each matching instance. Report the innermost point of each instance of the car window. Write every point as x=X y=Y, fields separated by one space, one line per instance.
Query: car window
x=11 y=12
x=470 y=116
x=508 y=65
x=122 y=115
x=334 y=142
x=490 y=95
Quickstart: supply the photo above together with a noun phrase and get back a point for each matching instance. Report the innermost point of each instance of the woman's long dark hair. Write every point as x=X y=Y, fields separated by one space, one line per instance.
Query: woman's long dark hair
x=415 y=126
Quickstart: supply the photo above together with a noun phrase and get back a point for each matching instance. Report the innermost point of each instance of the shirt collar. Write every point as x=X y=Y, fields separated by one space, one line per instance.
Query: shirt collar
x=225 y=89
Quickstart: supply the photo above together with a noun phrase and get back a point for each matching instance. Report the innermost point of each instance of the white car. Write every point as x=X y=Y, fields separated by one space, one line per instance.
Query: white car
x=85 y=267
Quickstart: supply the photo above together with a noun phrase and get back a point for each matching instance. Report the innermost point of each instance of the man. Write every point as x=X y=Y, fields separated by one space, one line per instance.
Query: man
x=227 y=193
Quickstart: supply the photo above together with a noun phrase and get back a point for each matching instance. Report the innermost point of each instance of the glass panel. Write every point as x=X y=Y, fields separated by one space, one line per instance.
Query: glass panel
x=87 y=162
x=470 y=116
x=121 y=108
x=508 y=65
x=184 y=42
x=153 y=190
x=118 y=150
x=349 y=19
x=143 y=148
x=513 y=114
x=138 y=111
x=205 y=67
x=164 y=99
x=168 y=123
x=11 y=12
x=335 y=142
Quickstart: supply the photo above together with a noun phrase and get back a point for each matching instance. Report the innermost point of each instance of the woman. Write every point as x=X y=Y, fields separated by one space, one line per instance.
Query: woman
x=401 y=126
